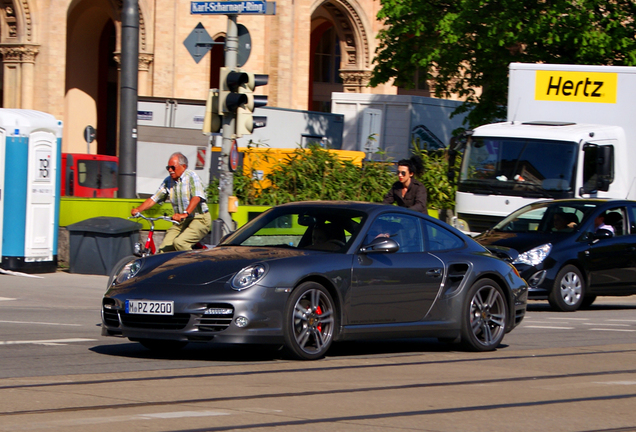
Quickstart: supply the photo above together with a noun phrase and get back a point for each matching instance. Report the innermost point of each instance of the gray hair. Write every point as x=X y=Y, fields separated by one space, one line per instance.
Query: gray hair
x=181 y=158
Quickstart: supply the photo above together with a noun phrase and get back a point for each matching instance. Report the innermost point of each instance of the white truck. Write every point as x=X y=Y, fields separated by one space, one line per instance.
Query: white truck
x=570 y=133
x=394 y=122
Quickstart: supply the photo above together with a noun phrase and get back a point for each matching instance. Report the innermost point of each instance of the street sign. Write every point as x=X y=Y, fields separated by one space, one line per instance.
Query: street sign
x=89 y=134
x=234 y=156
x=199 y=42
x=255 y=7
x=244 y=45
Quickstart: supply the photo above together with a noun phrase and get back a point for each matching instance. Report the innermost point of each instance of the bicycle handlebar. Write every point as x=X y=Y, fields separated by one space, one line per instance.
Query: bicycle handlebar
x=152 y=219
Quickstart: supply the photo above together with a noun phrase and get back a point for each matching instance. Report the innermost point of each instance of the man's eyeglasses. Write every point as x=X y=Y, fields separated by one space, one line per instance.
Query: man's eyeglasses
x=402 y=173
x=171 y=167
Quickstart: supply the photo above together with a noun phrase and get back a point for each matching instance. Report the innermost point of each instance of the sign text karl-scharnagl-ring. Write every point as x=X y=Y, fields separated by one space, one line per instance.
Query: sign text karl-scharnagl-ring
x=255 y=7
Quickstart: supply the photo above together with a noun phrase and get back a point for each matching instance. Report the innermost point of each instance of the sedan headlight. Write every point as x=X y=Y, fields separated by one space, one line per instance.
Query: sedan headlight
x=248 y=276
x=534 y=256
x=128 y=271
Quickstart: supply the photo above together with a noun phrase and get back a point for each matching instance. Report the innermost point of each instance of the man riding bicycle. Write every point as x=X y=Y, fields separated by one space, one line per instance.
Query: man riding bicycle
x=184 y=190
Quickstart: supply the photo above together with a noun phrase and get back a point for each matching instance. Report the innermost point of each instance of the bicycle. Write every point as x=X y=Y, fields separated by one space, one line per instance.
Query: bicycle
x=149 y=248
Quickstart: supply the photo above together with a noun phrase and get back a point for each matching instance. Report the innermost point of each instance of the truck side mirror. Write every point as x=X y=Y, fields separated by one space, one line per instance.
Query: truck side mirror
x=598 y=168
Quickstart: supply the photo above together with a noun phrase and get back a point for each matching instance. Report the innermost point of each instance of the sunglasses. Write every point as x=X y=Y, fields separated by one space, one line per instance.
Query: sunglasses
x=402 y=173
x=171 y=167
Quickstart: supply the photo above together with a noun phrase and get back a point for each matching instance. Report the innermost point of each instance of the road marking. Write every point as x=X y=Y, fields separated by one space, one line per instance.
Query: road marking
x=568 y=319
x=111 y=419
x=549 y=327
x=622 y=320
x=40 y=323
x=606 y=324
x=618 y=330
x=46 y=342
x=6 y=299
x=180 y=414
x=617 y=382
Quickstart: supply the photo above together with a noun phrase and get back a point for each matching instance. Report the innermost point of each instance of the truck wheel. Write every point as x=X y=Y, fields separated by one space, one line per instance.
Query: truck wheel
x=568 y=290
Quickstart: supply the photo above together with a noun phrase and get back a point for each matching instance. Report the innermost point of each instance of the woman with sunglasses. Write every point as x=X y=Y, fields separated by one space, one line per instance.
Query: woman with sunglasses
x=407 y=191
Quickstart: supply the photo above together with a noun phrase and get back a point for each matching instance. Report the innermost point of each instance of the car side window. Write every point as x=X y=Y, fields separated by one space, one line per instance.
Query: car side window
x=437 y=238
x=614 y=220
x=404 y=229
x=632 y=219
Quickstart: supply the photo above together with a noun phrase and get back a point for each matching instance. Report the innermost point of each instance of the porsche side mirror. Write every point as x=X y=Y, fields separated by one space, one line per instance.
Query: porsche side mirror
x=382 y=245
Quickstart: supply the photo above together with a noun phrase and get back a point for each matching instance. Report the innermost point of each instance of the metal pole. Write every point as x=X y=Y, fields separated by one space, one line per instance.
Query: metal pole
x=226 y=188
x=128 y=99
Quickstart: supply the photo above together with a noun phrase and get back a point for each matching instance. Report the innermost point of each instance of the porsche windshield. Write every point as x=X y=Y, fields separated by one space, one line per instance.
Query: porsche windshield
x=519 y=167
x=303 y=228
x=547 y=217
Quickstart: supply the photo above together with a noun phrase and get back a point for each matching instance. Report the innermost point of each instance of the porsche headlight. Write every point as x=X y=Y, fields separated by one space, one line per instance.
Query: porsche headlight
x=534 y=256
x=128 y=271
x=248 y=276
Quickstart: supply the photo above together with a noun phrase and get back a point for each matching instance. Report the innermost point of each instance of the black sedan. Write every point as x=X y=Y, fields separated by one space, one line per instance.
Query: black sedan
x=571 y=251
x=303 y=275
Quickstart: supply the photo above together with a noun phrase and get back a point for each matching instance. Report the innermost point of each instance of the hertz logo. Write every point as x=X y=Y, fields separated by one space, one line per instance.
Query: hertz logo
x=596 y=87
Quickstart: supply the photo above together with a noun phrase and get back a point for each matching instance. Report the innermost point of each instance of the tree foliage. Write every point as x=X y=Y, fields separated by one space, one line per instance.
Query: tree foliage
x=465 y=46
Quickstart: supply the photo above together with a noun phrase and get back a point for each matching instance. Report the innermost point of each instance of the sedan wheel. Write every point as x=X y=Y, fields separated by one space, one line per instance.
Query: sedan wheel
x=485 y=316
x=568 y=291
x=309 y=321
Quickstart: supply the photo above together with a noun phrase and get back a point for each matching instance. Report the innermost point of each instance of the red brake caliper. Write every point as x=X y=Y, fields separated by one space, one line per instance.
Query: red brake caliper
x=319 y=312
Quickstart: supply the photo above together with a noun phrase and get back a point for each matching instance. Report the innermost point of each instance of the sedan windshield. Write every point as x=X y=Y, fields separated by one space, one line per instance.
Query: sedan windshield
x=314 y=228
x=547 y=217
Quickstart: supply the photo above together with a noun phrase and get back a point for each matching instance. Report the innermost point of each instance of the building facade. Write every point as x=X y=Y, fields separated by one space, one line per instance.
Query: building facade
x=62 y=57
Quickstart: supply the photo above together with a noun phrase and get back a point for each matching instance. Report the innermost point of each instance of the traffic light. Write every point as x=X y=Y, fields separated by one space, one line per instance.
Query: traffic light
x=229 y=97
x=212 y=119
x=246 y=122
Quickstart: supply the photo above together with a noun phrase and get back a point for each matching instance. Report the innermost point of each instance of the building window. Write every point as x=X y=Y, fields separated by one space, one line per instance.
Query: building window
x=327 y=58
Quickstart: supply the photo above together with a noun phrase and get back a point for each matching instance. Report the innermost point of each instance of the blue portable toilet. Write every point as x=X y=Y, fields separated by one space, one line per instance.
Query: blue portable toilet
x=30 y=155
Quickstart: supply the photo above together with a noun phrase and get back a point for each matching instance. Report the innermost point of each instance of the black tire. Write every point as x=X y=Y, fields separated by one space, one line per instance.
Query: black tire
x=309 y=322
x=117 y=268
x=587 y=301
x=484 y=316
x=163 y=346
x=568 y=291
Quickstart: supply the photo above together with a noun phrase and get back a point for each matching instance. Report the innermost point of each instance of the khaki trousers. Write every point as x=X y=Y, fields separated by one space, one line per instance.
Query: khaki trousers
x=182 y=237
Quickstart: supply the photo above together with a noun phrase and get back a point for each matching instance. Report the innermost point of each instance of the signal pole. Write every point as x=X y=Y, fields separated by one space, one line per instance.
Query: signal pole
x=226 y=180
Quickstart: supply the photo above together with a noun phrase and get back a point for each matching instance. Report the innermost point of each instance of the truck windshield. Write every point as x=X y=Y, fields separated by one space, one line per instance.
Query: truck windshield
x=519 y=167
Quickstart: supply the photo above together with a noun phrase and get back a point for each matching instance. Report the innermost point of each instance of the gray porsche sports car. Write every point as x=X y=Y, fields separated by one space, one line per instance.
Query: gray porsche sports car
x=303 y=275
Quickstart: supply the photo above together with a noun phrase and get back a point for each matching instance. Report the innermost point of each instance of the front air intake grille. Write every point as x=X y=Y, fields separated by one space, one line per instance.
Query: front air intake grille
x=216 y=318
x=213 y=324
x=157 y=322
x=111 y=318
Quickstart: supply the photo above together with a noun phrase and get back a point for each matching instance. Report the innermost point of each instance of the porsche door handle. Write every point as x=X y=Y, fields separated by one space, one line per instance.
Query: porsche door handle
x=434 y=272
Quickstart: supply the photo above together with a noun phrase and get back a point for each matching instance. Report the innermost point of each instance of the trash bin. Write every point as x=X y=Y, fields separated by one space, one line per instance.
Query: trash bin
x=97 y=244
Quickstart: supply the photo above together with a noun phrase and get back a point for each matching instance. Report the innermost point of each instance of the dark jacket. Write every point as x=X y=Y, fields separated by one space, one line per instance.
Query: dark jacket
x=414 y=198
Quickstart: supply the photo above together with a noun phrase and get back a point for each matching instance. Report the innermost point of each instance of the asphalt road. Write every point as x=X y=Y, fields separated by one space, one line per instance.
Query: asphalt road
x=556 y=372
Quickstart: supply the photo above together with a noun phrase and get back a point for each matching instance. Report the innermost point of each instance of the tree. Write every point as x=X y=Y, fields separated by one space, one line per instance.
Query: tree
x=465 y=46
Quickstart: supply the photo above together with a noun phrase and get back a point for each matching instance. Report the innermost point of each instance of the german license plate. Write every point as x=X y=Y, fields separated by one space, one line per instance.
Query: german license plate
x=148 y=307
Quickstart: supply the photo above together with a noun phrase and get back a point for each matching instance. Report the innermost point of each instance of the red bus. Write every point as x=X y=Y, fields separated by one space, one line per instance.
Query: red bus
x=87 y=175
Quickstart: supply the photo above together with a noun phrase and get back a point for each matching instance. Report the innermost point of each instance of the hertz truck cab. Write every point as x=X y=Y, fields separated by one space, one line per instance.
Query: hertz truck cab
x=570 y=133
